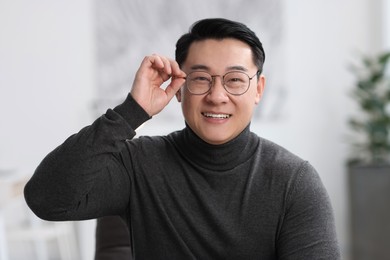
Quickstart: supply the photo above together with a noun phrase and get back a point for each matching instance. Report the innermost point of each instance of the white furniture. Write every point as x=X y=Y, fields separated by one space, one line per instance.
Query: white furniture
x=19 y=226
x=9 y=189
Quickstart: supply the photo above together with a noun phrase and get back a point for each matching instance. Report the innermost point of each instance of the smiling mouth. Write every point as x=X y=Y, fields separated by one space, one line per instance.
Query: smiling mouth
x=216 y=116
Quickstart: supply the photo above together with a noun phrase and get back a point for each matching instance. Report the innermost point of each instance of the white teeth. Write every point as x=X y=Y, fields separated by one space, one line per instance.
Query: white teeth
x=219 y=116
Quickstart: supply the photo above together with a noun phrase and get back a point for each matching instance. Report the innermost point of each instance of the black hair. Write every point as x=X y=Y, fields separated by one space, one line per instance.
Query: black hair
x=220 y=28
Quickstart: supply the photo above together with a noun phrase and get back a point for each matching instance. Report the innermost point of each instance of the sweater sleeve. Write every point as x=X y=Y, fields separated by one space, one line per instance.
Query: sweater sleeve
x=87 y=176
x=308 y=229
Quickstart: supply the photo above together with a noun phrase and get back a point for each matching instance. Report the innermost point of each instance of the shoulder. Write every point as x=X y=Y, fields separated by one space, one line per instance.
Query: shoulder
x=278 y=158
x=152 y=144
x=285 y=167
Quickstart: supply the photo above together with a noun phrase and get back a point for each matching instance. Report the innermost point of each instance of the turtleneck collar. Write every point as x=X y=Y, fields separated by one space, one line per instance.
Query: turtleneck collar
x=216 y=157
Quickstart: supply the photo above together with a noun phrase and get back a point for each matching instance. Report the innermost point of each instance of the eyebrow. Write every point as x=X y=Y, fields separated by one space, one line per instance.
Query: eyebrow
x=206 y=68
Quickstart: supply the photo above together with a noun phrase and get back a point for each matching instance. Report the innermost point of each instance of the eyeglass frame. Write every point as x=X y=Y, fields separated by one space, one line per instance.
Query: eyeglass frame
x=258 y=73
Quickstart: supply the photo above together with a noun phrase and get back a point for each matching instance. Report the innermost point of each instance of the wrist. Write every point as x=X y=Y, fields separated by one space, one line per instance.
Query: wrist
x=132 y=112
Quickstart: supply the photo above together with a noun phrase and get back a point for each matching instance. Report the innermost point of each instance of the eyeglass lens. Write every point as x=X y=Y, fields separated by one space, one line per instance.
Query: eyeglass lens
x=235 y=82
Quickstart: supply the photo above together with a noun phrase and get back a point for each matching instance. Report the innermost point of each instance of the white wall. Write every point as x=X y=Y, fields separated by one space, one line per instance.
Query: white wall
x=46 y=78
x=47 y=82
x=386 y=23
x=46 y=66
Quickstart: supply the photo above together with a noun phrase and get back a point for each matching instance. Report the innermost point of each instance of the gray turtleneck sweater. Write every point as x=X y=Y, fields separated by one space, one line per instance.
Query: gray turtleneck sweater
x=183 y=198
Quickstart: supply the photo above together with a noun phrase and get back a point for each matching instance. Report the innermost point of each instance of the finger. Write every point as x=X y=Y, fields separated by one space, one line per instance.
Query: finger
x=163 y=66
x=176 y=71
x=174 y=86
x=167 y=65
x=164 y=76
x=161 y=63
x=156 y=62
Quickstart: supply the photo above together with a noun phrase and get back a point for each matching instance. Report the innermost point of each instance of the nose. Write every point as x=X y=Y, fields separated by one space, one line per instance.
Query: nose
x=217 y=93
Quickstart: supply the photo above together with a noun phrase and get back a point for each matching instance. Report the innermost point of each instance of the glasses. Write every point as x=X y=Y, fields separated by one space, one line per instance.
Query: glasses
x=234 y=82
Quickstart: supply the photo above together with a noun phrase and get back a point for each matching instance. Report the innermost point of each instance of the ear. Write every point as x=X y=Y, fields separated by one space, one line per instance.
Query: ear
x=178 y=95
x=260 y=88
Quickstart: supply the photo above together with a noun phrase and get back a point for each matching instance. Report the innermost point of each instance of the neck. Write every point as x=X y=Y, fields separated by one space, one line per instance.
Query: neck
x=217 y=157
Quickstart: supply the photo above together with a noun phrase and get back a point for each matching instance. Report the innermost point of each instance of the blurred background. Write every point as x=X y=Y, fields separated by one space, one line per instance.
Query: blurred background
x=63 y=63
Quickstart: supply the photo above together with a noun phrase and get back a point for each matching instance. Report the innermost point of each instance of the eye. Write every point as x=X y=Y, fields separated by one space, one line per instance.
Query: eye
x=200 y=78
x=233 y=80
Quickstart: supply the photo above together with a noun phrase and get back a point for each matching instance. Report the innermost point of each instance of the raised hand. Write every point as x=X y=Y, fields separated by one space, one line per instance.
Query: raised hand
x=152 y=73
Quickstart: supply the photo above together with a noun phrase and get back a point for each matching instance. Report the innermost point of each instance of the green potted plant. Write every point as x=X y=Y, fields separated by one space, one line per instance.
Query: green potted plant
x=372 y=93
x=369 y=163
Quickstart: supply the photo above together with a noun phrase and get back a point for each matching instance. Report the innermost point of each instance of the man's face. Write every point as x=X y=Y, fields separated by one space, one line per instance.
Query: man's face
x=217 y=116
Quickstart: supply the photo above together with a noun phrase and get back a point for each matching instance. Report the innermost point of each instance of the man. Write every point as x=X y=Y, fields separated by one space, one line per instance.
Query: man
x=213 y=190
